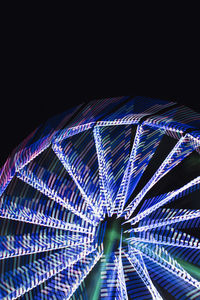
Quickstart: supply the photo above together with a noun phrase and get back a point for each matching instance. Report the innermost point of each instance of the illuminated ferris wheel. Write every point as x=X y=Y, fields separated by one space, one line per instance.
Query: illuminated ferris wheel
x=102 y=202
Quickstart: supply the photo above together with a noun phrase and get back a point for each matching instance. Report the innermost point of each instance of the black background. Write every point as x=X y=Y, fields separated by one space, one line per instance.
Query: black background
x=22 y=111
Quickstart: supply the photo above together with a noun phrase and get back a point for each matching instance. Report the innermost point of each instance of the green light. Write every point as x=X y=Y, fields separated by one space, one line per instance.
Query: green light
x=110 y=239
x=111 y=242
x=191 y=269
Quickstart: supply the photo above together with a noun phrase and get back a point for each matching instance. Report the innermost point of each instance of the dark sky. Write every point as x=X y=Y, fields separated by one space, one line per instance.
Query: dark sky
x=19 y=117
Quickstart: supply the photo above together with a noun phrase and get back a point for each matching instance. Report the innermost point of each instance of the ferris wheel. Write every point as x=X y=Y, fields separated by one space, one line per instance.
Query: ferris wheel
x=102 y=202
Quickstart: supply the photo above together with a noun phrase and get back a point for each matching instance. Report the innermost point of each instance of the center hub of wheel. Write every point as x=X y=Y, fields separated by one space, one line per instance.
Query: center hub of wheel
x=114 y=232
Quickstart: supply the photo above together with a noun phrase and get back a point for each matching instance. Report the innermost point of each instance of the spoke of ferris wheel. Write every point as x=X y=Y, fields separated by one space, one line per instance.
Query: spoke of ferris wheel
x=172 y=160
x=161 y=257
x=18 y=213
x=168 y=220
x=187 y=242
x=170 y=196
x=121 y=285
x=143 y=143
x=123 y=190
x=103 y=175
x=73 y=287
x=29 y=178
x=65 y=283
x=76 y=177
x=31 y=275
x=120 y=274
x=137 y=262
x=17 y=245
